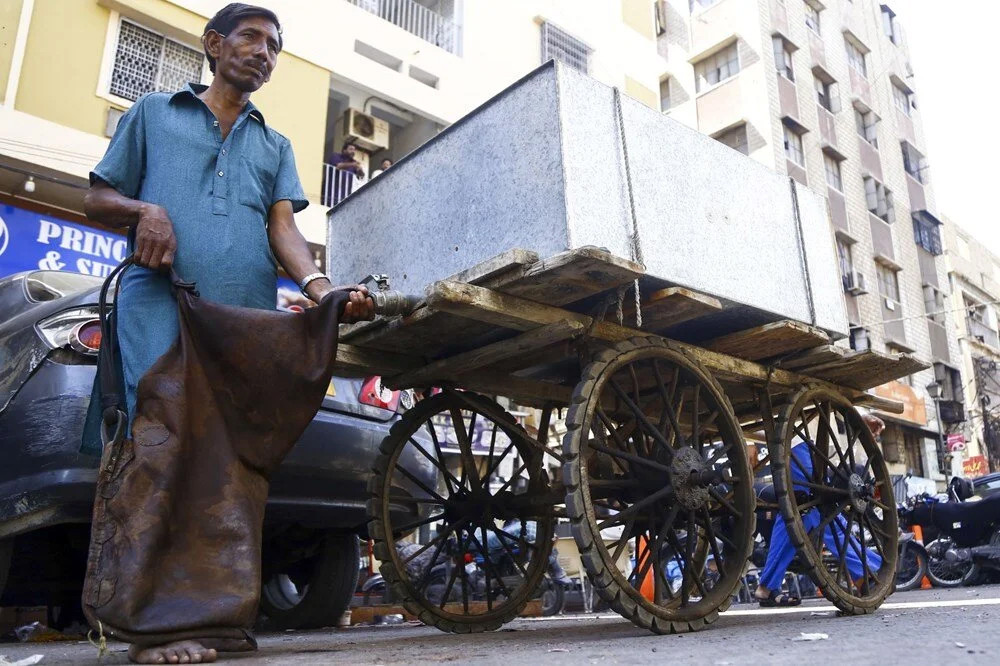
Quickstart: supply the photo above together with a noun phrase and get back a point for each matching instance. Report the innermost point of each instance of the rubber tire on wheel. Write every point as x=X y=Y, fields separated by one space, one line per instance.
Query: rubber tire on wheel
x=965 y=579
x=6 y=552
x=330 y=588
x=607 y=580
x=556 y=593
x=381 y=530
x=921 y=572
x=812 y=562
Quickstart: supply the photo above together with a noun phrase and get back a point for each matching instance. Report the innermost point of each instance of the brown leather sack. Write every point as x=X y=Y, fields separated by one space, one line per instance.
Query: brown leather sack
x=176 y=534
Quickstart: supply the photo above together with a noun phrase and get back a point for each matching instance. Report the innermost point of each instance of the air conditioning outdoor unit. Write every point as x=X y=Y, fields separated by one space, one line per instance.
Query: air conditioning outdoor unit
x=855 y=284
x=366 y=130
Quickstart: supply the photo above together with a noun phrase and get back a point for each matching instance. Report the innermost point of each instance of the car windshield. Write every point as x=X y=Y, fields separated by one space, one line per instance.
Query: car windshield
x=988 y=487
x=49 y=285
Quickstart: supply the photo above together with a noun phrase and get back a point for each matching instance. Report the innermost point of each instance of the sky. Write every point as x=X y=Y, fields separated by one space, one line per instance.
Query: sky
x=953 y=51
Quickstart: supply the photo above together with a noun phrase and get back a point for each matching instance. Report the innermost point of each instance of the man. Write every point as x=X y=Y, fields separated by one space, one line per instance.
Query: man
x=781 y=551
x=205 y=186
x=346 y=160
x=383 y=167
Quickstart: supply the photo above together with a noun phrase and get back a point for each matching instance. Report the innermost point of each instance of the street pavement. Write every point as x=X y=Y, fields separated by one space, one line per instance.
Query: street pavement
x=921 y=627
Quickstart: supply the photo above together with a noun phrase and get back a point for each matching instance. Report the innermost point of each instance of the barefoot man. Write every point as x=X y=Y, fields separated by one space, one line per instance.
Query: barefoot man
x=205 y=185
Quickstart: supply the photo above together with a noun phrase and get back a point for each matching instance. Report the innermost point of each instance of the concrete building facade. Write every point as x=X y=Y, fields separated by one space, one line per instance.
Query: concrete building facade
x=824 y=92
x=974 y=278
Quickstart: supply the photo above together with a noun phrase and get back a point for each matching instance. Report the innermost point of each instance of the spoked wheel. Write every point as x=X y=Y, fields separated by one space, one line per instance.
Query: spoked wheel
x=487 y=503
x=656 y=468
x=836 y=498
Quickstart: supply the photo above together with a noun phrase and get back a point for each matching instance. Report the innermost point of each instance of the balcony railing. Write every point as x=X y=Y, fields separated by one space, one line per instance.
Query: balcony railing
x=337 y=185
x=982 y=332
x=416 y=19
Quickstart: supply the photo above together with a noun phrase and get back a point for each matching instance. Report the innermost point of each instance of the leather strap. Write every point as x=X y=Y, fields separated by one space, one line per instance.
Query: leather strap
x=114 y=414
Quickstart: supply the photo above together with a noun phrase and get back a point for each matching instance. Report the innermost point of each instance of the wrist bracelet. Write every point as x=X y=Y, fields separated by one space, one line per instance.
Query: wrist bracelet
x=307 y=279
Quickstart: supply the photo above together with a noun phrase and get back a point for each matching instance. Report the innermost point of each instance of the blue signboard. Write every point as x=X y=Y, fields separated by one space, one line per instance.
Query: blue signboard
x=31 y=241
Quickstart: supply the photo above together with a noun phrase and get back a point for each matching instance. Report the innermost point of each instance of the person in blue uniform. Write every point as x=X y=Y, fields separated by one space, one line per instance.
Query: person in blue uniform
x=204 y=184
x=781 y=551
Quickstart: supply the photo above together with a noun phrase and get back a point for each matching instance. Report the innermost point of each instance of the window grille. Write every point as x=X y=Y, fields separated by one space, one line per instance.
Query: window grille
x=833 y=176
x=845 y=259
x=927 y=235
x=146 y=61
x=717 y=67
x=888 y=282
x=903 y=99
x=856 y=58
x=783 y=58
x=914 y=163
x=812 y=17
x=793 y=147
x=557 y=44
x=866 y=123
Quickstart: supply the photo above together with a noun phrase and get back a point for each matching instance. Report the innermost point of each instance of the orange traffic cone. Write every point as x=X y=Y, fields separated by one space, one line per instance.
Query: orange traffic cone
x=918 y=534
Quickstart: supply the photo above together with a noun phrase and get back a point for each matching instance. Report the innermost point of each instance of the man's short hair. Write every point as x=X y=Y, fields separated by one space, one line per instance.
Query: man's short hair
x=228 y=18
x=348 y=142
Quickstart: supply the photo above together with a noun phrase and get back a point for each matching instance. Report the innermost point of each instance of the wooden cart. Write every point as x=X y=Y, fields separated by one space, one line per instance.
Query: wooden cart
x=656 y=447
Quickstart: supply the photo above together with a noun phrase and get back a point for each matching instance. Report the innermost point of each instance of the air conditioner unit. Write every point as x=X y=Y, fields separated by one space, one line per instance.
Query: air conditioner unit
x=856 y=284
x=365 y=130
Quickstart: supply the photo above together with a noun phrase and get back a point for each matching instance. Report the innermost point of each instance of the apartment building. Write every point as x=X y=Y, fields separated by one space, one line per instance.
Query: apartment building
x=385 y=74
x=974 y=278
x=824 y=92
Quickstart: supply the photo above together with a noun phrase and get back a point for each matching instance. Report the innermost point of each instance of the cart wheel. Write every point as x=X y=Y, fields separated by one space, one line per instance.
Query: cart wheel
x=490 y=513
x=656 y=464
x=836 y=498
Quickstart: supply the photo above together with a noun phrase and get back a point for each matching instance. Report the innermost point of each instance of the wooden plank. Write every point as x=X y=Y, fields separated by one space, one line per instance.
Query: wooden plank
x=354 y=361
x=768 y=341
x=571 y=276
x=519 y=314
x=498 y=270
x=461 y=364
x=817 y=357
x=864 y=370
x=671 y=306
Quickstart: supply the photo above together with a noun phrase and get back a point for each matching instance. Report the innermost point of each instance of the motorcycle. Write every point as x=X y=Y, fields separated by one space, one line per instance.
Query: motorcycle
x=911 y=565
x=968 y=544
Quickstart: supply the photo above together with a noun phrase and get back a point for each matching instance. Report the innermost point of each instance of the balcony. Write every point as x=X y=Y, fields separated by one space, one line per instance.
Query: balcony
x=337 y=185
x=416 y=19
x=982 y=333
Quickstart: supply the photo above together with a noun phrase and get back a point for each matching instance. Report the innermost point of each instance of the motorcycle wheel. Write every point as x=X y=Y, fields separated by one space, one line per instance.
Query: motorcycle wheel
x=943 y=573
x=911 y=566
x=553 y=597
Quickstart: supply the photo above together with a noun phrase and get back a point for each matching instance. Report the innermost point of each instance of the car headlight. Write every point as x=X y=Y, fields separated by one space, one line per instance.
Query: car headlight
x=78 y=329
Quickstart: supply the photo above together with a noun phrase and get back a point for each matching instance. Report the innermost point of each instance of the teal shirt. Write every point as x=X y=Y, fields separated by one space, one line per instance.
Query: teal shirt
x=168 y=150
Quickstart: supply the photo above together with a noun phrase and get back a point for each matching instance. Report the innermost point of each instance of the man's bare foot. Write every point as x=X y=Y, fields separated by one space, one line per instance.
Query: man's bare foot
x=179 y=652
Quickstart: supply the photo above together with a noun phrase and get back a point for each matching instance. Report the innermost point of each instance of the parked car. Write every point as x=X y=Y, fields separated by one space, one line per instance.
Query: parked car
x=49 y=338
x=987 y=485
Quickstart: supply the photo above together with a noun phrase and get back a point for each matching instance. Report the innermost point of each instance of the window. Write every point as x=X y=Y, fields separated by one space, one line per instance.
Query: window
x=735 y=138
x=888 y=282
x=665 y=94
x=914 y=163
x=927 y=234
x=557 y=44
x=963 y=248
x=846 y=262
x=856 y=56
x=903 y=99
x=146 y=62
x=660 y=17
x=867 y=125
x=890 y=25
x=951 y=382
x=879 y=200
x=812 y=16
x=793 y=146
x=783 y=57
x=826 y=93
x=717 y=67
x=833 y=177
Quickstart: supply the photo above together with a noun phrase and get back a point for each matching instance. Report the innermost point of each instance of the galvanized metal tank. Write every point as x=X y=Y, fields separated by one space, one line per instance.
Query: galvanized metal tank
x=543 y=166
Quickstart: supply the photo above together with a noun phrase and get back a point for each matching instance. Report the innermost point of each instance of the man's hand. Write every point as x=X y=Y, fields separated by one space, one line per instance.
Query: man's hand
x=155 y=243
x=874 y=423
x=359 y=306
